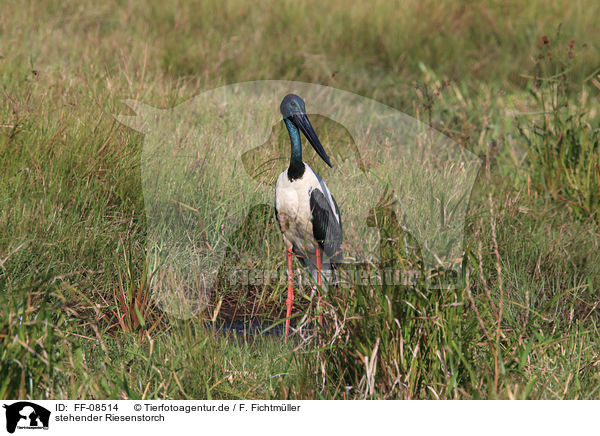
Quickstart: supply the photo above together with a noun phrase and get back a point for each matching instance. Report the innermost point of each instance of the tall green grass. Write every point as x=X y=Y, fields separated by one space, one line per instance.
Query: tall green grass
x=563 y=136
x=73 y=226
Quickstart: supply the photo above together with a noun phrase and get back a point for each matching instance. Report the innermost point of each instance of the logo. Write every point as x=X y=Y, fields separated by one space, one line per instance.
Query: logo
x=26 y=415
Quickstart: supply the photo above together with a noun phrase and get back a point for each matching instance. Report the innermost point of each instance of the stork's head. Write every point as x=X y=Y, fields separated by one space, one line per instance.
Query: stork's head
x=293 y=109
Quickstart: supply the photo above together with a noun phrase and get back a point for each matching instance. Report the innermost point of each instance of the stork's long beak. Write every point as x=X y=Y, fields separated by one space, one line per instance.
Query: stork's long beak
x=301 y=121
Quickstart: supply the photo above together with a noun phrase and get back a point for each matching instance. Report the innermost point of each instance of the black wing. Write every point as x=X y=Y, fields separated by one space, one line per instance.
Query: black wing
x=326 y=228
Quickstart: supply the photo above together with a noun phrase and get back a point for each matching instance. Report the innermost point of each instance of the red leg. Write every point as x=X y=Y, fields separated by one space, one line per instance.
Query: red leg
x=319 y=268
x=320 y=283
x=290 y=297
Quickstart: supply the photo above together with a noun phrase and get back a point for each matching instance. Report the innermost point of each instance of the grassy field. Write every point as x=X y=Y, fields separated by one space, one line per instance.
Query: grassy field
x=517 y=85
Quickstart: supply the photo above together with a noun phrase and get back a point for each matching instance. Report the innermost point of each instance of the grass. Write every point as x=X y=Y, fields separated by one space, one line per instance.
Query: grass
x=75 y=317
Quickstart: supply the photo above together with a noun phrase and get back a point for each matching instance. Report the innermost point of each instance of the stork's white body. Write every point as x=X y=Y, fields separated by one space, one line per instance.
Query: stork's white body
x=292 y=201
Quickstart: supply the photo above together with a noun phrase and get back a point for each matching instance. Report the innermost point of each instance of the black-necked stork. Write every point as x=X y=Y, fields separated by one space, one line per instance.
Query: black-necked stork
x=308 y=216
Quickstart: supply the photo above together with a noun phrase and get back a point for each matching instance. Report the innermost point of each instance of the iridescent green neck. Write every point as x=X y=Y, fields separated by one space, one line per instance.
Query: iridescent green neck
x=296 y=169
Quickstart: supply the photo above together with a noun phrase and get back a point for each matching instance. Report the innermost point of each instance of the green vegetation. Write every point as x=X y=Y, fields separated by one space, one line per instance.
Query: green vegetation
x=516 y=84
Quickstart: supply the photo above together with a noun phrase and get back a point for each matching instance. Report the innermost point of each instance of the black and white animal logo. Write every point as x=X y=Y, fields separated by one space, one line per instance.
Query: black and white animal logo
x=26 y=415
